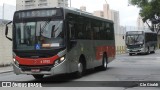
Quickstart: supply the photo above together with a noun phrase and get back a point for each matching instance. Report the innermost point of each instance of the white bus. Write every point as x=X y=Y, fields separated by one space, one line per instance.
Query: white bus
x=138 y=42
x=52 y=41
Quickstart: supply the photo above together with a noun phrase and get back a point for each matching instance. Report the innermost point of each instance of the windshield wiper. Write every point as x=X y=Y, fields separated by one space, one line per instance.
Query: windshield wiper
x=42 y=29
x=137 y=38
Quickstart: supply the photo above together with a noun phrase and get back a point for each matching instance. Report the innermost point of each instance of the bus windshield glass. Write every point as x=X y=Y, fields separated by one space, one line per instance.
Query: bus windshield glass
x=39 y=35
x=134 y=39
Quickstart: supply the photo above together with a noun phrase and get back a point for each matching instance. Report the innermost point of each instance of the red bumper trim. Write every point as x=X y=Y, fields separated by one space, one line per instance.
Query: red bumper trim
x=37 y=61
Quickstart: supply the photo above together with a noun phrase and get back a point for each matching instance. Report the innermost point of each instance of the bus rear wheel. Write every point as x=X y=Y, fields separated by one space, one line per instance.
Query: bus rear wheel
x=104 y=63
x=38 y=76
x=148 y=51
x=153 y=50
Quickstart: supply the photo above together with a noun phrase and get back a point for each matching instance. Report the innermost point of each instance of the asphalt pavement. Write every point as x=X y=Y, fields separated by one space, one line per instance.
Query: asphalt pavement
x=125 y=68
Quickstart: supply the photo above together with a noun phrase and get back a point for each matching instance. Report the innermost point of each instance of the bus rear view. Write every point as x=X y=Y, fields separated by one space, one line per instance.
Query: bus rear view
x=141 y=42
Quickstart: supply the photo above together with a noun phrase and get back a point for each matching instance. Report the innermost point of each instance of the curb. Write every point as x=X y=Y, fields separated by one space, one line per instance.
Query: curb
x=6 y=71
x=6 y=67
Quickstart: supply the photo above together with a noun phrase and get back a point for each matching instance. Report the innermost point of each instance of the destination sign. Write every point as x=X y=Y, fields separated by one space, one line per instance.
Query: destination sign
x=36 y=13
x=135 y=32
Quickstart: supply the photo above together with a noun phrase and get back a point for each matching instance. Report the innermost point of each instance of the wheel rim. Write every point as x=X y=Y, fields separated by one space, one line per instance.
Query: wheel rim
x=80 y=67
x=105 y=63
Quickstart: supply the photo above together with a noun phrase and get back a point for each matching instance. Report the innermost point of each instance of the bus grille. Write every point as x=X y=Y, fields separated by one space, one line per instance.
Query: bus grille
x=134 y=46
x=42 y=68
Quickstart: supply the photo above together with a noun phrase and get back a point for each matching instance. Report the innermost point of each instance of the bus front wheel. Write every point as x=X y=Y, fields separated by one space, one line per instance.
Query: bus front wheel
x=81 y=69
x=153 y=50
x=130 y=54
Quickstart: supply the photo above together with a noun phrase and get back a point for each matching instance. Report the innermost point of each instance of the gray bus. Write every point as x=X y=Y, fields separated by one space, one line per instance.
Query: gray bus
x=138 y=42
x=53 y=41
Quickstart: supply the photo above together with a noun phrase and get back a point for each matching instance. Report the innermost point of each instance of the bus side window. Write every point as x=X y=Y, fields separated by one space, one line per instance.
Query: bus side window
x=72 y=31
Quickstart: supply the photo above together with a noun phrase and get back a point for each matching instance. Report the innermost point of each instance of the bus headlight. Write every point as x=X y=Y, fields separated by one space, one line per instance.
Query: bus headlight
x=58 y=61
x=62 y=58
x=15 y=62
x=14 y=59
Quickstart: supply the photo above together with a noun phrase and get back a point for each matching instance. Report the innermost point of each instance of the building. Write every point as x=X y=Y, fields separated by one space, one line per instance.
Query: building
x=99 y=13
x=140 y=23
x=114 y=15
x=120 y=38
x=83 y=8
x=106 y=11
x=1 y=12
x=7 y=11
x=4 y=21
x=5 y=44
x=29 y=4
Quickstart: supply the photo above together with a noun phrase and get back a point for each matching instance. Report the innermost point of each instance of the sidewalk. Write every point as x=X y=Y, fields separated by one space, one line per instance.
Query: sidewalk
x=6 y=69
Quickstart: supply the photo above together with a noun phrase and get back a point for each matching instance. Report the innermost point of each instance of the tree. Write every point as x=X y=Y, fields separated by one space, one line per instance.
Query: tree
x=150 y=12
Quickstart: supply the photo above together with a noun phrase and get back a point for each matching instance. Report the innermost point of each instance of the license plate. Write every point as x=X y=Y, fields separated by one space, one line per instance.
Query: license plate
x=134 y=50
x=35 y=70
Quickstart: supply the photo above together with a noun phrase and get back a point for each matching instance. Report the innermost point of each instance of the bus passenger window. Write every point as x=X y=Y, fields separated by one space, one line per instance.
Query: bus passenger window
x=72 y=31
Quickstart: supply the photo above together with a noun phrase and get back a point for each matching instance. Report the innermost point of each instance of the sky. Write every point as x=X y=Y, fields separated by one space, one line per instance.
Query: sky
x=9 y=8
x=128 y=13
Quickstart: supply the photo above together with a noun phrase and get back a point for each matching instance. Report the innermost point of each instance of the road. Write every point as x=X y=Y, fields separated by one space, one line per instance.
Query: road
x=123 y=68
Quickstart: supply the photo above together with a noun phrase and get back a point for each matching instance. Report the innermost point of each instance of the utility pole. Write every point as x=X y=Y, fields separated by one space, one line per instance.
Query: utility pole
x=64 y=3
x=70 y=3
x=3 y=12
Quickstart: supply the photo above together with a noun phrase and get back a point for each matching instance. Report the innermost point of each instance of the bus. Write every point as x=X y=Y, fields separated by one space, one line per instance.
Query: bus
x=51 y=41
x=141 y=42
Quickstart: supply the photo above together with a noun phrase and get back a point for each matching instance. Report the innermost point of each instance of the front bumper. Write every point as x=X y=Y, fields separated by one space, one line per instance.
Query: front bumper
x=135 y=50
x=59 y=69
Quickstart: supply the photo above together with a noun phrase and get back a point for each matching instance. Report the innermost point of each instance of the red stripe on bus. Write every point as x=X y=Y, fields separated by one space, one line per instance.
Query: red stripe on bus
x=37 y=61
x=110 y=50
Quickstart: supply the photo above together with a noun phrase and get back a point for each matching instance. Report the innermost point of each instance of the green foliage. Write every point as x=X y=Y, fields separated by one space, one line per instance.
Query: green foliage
x=149 y=10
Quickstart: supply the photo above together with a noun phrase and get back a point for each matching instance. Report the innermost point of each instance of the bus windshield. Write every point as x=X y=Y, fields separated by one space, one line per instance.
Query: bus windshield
x=134 y=39
x=39 y=35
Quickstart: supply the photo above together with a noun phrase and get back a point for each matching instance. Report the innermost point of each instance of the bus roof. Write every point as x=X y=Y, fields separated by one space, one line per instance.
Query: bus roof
x=86 y=14
x=74 y=11
x=145 y=31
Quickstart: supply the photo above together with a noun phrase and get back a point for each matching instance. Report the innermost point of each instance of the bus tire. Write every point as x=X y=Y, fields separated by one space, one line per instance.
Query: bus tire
x=38 y=76
x=104 y=63
x=153 y=50
x=148 y=51
x=130 y=54
x=81 y=68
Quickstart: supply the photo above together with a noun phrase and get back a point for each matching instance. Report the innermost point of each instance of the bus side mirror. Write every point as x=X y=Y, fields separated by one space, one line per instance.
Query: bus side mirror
x=6 y=31
x=123 y=37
